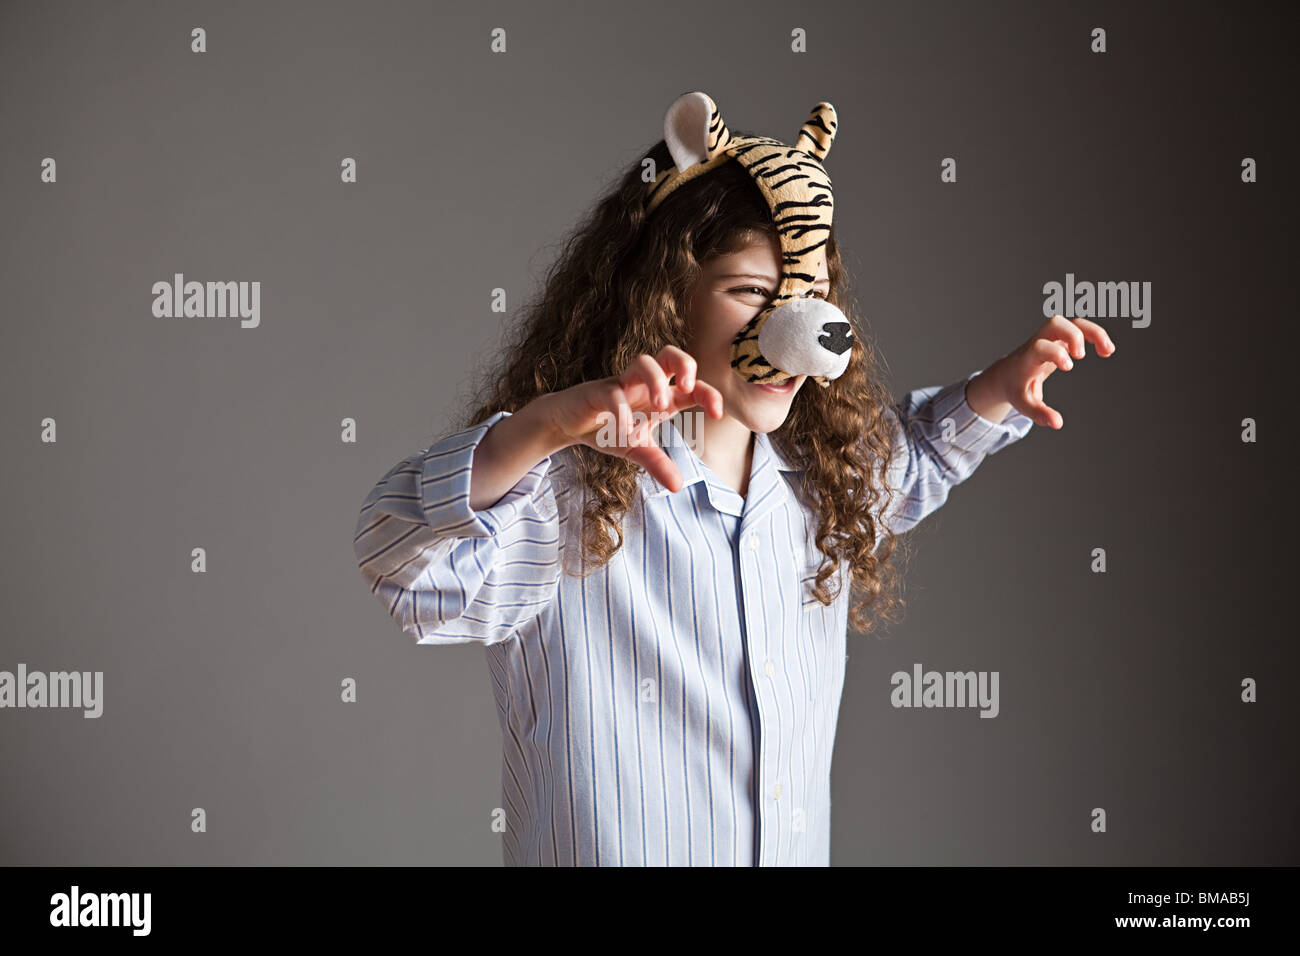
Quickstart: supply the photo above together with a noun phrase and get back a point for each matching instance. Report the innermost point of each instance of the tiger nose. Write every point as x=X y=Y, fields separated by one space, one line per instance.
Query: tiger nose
x=807 y=337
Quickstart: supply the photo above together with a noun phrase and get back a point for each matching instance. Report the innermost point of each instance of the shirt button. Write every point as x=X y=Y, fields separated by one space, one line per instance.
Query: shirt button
x=776 y=792
x=769 y=668
x=751 y=541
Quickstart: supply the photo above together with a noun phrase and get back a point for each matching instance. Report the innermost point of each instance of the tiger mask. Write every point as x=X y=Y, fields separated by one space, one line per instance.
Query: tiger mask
x=796 y=333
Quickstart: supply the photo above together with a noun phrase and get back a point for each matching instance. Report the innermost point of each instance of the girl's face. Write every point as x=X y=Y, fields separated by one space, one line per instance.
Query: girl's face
x=734 y=288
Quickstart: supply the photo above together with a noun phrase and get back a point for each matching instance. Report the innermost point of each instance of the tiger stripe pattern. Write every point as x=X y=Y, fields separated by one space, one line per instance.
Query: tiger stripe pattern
x=799 y=193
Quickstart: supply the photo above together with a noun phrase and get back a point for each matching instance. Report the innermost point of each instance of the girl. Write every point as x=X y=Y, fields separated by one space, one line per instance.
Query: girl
x=654 y=527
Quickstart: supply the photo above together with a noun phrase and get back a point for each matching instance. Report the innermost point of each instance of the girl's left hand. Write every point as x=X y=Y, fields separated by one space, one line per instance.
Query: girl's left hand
x=1021 y=373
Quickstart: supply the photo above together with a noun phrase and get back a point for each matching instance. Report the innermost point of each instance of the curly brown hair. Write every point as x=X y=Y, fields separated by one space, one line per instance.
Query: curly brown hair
x=621 y=287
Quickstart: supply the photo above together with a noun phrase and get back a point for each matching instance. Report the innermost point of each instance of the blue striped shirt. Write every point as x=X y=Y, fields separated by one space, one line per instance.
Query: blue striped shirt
x=676 y=706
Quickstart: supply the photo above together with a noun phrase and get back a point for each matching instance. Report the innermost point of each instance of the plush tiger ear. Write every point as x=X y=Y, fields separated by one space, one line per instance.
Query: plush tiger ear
x=693 y=129
x=816 y=135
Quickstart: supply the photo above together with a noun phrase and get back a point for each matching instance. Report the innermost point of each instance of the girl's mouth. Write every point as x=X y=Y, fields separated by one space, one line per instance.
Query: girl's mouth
x=785 y=388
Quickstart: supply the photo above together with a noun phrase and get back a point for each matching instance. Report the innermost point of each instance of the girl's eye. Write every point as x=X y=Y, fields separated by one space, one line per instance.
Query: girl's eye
x=755 y=290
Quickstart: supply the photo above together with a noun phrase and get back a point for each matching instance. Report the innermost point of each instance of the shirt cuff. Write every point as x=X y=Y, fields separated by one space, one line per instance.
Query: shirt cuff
x=446 y=469
x=973 y=432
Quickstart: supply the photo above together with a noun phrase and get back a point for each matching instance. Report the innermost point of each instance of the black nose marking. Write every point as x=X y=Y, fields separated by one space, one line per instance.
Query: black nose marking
x=836 y=337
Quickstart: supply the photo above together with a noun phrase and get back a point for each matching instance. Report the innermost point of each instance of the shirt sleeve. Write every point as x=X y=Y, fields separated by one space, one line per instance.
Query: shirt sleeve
x=449 y=574
x=940 y=441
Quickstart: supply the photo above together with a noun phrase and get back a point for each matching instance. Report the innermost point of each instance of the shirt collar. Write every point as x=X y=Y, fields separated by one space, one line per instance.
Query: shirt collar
x=766 y=489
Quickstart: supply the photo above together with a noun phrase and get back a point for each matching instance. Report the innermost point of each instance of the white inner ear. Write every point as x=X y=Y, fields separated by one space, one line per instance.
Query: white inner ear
x=686 y=129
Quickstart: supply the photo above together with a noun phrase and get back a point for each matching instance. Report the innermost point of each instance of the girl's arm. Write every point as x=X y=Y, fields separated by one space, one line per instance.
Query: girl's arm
x=511 y=449
x=943 y=434
x=940 y=440
x=462 y=541
x=450 y=573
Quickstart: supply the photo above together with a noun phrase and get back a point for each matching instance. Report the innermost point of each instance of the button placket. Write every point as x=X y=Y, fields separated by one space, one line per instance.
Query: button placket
x=748 y=573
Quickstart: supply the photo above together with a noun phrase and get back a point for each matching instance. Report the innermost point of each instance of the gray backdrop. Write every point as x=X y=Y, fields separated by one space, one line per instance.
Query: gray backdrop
x=222 y=689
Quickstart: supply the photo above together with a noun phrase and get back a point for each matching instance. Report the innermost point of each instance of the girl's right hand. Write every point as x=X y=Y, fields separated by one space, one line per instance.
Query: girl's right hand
x=602 y=414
